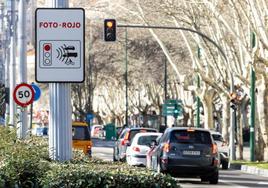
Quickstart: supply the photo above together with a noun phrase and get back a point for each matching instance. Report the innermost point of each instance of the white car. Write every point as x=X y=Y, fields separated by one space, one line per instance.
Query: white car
x=97 y=131
x=223 y=149
x=136 y=152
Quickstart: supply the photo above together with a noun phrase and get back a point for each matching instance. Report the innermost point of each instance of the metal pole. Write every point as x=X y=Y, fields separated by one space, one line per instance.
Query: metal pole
x=165 y=86
x=252 y=114
x=2 y=70
x=7 y=62
x=22 y=46
x=126 y=77
x=12 y=65
x=2 y=66
x=60 y=120
x=198 y=102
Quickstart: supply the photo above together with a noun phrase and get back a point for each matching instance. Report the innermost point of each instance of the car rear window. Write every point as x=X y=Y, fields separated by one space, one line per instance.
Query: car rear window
x=194 y=136
x=134 y=132
x=146 y=140
x=80 y=133
x=217 y=137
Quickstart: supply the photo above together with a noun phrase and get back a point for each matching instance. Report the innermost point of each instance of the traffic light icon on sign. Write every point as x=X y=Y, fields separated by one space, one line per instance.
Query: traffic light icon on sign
x=109 y=30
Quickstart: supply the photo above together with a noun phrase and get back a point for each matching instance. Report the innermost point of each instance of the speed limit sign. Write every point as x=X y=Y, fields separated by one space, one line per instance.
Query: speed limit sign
x=23 y=94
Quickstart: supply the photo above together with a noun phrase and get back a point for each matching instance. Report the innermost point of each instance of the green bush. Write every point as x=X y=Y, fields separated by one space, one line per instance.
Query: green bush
x=23 y=162
x=109 y=175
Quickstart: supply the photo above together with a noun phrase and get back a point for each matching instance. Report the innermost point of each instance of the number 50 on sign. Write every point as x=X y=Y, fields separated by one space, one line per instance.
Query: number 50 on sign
x=23 y=94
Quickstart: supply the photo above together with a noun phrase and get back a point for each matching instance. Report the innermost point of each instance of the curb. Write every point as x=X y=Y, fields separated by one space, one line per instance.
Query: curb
x=250 y=169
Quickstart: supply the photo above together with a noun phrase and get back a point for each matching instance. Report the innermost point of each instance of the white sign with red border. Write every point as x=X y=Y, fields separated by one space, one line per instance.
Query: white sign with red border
x=23 y=94
x=60 y=46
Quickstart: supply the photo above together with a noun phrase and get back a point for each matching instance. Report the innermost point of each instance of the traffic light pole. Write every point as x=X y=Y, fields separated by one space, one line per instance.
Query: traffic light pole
x=252 y=114
x=203 y=36
x=165 y=88
x=198 y=102
x=126 y=77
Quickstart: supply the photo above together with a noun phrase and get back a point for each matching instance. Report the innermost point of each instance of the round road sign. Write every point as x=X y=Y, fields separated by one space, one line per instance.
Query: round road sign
x=23 y=94
x=37 y=91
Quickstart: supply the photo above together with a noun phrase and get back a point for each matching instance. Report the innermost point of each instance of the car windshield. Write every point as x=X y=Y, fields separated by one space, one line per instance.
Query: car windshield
x=146 y=140
x=217 y=137
x=81 y=133
x=194 y=136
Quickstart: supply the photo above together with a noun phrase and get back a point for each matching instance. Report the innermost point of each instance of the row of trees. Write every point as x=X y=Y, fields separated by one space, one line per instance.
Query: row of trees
x=229 y=23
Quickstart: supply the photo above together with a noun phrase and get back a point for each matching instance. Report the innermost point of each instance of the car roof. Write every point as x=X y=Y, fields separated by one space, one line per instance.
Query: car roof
x=186 y=128
x=79 y=123
x=141 y=128
x=215 y=132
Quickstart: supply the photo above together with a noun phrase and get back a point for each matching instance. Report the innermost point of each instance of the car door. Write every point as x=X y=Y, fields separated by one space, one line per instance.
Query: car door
x=120 y=147
x=156 y=153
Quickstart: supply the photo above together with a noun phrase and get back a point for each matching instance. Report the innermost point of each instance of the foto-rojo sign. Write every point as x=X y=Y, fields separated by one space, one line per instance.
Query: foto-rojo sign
x=23 y=94
x=60 y=46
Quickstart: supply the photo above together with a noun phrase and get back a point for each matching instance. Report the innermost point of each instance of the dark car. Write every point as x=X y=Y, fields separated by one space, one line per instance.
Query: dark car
x=187 y=152
x=124 y=140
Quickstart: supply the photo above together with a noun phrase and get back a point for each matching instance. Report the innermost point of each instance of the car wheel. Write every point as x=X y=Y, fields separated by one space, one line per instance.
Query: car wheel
x=225 y=165
x=214 y=178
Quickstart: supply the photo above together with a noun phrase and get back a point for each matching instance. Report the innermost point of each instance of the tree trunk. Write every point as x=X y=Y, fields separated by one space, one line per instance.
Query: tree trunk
x=262 y=113
x=225 y=117
x=239 y=133
x=259 y=145
x=208 y=113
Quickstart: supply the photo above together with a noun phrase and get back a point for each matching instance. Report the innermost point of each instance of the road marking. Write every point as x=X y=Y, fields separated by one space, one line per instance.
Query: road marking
x=227 y=182
x=263 y=183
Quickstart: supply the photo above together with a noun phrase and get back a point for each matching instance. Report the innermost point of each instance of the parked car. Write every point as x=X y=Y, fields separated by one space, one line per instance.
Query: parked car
x=97 y=131
x=124 y=140
x=223 y=149
x=136 y=152
x=188 y=152
x=81 y=137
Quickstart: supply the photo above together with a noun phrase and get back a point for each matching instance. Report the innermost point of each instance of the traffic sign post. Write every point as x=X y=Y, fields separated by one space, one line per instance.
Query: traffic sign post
x=23 y=94
x=60 y=45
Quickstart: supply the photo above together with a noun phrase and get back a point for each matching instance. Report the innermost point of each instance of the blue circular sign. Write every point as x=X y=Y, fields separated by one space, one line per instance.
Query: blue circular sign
x=37 y=91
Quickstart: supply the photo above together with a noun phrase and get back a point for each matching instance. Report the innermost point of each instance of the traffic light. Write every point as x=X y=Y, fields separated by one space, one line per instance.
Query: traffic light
x=177 y=110
x=233 y=101
x=109 y=30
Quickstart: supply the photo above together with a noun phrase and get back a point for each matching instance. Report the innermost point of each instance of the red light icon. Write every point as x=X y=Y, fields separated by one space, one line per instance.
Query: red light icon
x=47 y=47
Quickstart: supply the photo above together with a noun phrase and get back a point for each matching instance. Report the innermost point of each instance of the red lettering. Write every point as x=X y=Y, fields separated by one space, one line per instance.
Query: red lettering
x=48 y=24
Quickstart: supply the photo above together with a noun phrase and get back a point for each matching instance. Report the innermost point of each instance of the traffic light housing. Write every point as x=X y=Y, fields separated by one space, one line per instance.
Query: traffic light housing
x=177 y=110
x=109 y=30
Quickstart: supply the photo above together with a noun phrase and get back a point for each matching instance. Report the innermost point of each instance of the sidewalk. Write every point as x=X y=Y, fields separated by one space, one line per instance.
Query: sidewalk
x=250 y=169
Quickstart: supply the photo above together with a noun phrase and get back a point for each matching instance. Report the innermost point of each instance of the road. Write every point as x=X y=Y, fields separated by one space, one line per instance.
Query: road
x=228 y=178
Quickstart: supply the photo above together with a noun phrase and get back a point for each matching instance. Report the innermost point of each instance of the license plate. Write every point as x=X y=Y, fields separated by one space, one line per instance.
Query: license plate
x=191 y=152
